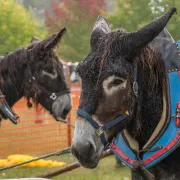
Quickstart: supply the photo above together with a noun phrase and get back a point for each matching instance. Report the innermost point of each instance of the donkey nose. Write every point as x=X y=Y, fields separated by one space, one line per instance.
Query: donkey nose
x=61 y=106
x=82 y=150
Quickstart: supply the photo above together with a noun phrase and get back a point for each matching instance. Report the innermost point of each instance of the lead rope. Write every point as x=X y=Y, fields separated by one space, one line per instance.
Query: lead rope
x=58 y=153
x=65 y=122
x=140 y=162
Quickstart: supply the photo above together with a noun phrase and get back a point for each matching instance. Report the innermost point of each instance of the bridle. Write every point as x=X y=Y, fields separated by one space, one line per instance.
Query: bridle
x=101 y=129
x=32 y=79
x=52 y=95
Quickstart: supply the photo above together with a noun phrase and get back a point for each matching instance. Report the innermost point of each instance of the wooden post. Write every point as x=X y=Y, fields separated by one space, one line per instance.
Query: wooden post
x=69 y=115
x=70 y=167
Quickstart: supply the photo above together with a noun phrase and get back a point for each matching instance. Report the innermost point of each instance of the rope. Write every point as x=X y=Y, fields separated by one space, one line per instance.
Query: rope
x=70 y=167
x=65 y=122
x=58 y=153
x=141 y=162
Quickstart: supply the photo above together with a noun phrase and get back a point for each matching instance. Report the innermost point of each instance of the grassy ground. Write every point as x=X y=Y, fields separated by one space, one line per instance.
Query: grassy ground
x=106 y=170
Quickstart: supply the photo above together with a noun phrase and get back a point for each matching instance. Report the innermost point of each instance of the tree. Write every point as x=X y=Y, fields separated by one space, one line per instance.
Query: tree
x=134 y=14
x=17 y=26
x=78 y=16
x=162 y=6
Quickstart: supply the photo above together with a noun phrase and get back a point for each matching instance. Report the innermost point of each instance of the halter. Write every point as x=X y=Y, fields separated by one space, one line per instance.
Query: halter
x=52 y=95
x=100 y=129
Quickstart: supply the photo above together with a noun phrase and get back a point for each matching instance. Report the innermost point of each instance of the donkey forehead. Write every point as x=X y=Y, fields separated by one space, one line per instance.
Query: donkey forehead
x=95 y=67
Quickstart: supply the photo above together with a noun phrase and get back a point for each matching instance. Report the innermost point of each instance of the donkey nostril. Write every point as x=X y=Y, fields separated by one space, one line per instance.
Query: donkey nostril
x=83 y=151
x=65 y=112
x=74 y=151
x=91 y=150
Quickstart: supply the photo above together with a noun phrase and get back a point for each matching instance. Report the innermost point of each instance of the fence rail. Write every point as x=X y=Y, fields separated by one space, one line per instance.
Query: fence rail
x=37 y=132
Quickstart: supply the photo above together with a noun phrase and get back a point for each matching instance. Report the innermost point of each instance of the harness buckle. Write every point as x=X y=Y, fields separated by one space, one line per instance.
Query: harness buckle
x=135 y=87
x=178 y=115
x=53 y=96
x=99 y=131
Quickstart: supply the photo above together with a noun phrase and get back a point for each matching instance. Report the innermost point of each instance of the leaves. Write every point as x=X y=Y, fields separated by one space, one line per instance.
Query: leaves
x=78 y=16
x=17 y=26
x=134 y=14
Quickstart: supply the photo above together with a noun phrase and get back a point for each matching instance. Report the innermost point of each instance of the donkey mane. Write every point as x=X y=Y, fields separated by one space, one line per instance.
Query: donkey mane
x=151 y=63
x=11 y=62
x=10 y=66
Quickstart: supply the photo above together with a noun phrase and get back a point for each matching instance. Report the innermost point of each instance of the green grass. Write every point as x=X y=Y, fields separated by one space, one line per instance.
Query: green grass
x=106 y=170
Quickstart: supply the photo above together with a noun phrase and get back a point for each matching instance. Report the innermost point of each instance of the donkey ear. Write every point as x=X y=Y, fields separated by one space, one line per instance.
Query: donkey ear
x=34 y=39
x=100 y=28
x=102 y=24
x=134 y=42
x=52 y=41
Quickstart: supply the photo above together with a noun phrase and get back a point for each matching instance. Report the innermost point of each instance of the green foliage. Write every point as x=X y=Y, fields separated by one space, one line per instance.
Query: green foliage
x=163 y=6
x=38 y=3
x=17 y=26
x=134 y=14
x=78 y=17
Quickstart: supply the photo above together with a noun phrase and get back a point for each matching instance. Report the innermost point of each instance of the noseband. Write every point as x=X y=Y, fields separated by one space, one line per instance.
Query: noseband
x=101 y=129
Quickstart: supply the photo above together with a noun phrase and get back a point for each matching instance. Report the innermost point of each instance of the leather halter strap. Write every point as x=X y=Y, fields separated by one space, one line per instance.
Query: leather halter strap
x=52 y=95
x=100 y=129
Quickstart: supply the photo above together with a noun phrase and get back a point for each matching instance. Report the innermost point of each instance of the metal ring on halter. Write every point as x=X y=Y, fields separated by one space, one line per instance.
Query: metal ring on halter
x=99 y=131
x=53 y=96
x=135 y=88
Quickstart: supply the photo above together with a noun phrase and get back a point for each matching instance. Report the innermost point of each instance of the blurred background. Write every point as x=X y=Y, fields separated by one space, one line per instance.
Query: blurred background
x=20 y=20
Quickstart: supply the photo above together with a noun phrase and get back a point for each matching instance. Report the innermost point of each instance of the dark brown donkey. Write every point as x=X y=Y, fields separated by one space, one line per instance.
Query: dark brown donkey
x=36 y=73
x=106 y=77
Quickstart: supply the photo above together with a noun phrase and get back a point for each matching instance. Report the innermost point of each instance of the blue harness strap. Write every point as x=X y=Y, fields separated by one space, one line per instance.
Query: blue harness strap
x=114 y=122
x=88 y=117
x=100 y=129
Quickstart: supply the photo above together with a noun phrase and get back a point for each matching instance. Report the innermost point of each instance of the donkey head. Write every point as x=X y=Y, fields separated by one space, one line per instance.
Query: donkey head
x=45 y=81
x=106 y=77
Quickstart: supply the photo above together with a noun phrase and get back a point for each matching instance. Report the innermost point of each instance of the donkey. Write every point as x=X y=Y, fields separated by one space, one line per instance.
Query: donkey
x=36 y=73
x=107 y=76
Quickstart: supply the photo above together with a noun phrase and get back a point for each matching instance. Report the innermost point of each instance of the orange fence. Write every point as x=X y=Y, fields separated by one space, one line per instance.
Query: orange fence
x=37 y=132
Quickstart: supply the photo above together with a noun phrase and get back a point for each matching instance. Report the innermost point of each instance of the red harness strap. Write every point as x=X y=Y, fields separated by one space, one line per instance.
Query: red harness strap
x=164 y=150
x=121 y=154
x=178 y=115
x=179 y=73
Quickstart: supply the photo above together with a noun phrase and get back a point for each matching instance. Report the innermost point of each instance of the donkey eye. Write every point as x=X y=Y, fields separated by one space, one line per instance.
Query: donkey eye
x=117 y=82
x=49 y=70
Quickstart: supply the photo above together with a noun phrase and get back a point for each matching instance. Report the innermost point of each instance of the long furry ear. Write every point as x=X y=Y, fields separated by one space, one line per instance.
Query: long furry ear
x=100 y=28
x=34 y=39
x=134 y=42
x=52 y=41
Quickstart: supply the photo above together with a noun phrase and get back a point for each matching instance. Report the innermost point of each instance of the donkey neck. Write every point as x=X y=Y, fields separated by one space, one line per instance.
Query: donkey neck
x=12 y=70
x=149 y=105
